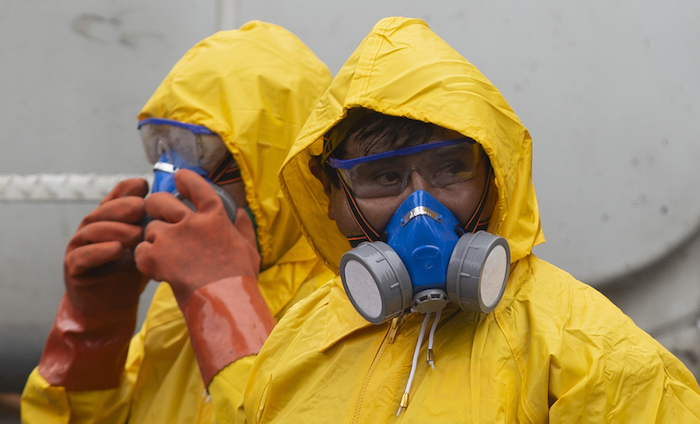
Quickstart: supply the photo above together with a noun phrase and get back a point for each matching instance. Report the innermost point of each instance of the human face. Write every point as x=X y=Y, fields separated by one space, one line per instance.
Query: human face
x=194 y=144
x=461 y=198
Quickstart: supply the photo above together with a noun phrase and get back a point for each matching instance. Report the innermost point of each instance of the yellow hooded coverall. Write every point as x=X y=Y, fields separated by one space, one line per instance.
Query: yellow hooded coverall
x=254 y=87
x=554 y=350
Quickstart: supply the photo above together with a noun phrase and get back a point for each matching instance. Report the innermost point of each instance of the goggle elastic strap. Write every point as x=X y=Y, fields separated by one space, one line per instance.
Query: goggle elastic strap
x=223 y=173
x=369 y=233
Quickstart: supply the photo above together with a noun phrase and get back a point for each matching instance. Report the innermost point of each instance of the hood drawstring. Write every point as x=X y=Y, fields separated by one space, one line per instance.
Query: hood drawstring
x=404 y=398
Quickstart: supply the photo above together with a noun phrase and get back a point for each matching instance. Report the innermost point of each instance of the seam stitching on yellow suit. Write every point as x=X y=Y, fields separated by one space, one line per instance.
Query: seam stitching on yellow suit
x=517 y=356
x=370 y=64
x=253 y=202
x=361 y=397
x=515 y=351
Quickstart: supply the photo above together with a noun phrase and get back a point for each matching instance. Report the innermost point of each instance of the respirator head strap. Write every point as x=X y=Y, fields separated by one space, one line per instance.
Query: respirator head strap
x=475 y=224
x=226 y=171
x=368 y=232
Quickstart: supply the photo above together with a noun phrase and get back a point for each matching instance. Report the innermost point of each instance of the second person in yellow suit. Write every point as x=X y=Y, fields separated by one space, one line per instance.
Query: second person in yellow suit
x=252 y=89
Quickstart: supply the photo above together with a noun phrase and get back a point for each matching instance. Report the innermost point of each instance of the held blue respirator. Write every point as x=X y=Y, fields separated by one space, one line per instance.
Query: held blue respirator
x=172 y=145
x=164 y=181
x=425 y=263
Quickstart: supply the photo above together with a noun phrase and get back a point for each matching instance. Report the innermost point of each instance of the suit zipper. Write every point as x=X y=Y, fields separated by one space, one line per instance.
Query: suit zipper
x=388 y=339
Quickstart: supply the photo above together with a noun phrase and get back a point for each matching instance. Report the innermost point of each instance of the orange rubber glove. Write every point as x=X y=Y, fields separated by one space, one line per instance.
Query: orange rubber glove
x=212 y=266
x=87 y=345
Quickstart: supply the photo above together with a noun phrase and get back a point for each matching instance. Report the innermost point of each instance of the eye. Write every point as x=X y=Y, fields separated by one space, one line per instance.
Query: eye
x=387 y=178
x=455 y=167
x=452 y=172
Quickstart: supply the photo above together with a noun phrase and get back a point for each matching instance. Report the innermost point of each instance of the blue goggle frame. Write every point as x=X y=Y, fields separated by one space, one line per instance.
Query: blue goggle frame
x=196 y=129
x=349 y=163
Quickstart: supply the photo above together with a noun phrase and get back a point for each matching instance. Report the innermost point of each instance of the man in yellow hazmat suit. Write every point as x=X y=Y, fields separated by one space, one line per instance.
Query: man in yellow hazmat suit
x=229 y=110
x=411 y=148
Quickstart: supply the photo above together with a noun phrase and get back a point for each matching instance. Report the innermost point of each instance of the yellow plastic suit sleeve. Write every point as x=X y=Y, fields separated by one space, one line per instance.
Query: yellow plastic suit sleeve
x=43 y=403
x=226 y=390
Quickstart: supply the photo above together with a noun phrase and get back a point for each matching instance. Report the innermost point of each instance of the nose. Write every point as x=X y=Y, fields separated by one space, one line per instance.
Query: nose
x=417 y=182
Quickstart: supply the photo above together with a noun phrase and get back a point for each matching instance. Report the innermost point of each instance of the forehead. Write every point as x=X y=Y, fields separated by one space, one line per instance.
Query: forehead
x=356 y=146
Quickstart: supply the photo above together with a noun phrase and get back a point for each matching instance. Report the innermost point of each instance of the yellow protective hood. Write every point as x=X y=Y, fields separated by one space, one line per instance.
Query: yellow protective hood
x=404 y=69
x=254 y=87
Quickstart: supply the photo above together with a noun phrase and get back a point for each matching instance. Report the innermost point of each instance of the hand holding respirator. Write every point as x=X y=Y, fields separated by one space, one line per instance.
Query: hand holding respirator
x=164 y=181
x=425 y=263
x=172 y=145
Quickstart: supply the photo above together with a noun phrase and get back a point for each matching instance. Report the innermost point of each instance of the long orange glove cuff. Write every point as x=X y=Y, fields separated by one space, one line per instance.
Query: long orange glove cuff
x=87 y=345
x=227 y=320
x=86 y=353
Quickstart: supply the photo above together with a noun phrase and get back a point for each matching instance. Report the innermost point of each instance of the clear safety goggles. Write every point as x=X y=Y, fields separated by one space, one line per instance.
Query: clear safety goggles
x=196 y=145
x=441 y=164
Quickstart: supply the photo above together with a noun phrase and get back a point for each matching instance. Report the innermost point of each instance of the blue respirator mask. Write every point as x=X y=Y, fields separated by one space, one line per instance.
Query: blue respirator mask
x=425 y=263
x=173 y=145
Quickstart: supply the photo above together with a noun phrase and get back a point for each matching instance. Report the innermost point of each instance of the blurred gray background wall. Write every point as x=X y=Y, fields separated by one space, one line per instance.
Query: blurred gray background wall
x=608 y=90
